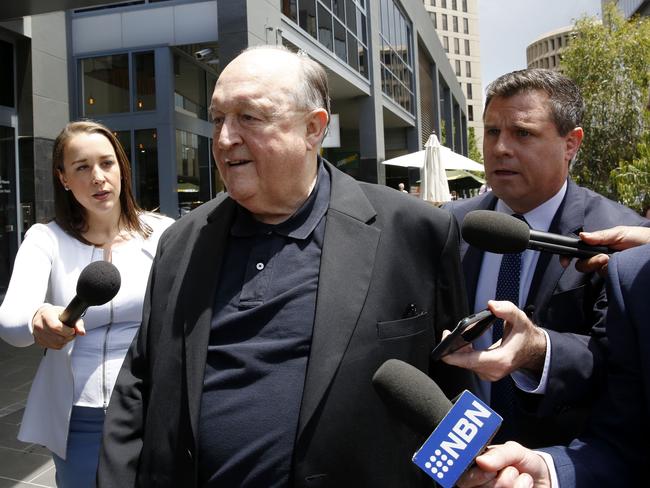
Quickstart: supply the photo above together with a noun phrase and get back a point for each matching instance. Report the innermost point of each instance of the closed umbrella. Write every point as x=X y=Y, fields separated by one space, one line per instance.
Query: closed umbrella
x=433 y=187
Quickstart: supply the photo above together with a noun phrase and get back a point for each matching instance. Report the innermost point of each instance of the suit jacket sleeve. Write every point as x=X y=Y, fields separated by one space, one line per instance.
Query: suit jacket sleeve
x=614 y=450
x=450 y=306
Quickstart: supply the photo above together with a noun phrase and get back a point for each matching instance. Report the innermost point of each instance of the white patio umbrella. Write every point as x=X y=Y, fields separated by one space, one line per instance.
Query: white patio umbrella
x=433 y=186
x=450 y=160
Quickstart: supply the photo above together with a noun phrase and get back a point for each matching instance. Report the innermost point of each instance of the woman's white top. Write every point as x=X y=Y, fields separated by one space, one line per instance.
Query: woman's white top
x=83 y=372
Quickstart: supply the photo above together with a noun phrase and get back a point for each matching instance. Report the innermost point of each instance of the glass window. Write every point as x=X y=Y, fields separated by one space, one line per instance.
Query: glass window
x=7 y=74
x=190 y=94
x=351 y=16
x=363 y=61
x=361 y=27
x=395 y=55
x=456 y=45
x=290 y=9
x=454 y=4
x=8 y=210
x=325 y=28
x=470 y=94
x=443 y=3
x=145 y=81
x=455 y=23
x=105 y=84
x=465 y=25
x=468 y=69
x=445 y=43
x=464 y=5
x=435 y=20
x=353 y=54
x=197 y=180
x=338 y=9
x=145 y=169
x=307 y=16
x=339 y=41
x=467 y=47
x=433 y=3
x=470 y=112
x=124 y=136
x=457 y=67
x=333 y=23
x=445 y=26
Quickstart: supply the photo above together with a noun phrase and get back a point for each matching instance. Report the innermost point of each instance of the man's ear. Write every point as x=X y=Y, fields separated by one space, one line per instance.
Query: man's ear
x=573 y=140
x=316 y=126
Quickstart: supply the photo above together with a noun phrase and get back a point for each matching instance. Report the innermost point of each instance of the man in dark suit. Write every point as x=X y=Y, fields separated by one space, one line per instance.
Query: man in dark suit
x=614 y=450
x=532 y=132
x=270 y=308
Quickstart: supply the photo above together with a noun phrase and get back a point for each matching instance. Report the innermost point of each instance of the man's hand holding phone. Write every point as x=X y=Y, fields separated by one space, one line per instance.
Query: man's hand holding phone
x=467 y=331
x=523 y=347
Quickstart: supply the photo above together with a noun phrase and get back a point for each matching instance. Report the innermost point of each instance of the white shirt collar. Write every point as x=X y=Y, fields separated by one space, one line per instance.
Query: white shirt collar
x=540 y=217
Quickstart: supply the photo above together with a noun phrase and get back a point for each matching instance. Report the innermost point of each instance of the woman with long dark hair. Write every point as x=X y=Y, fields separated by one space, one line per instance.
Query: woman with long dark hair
x=96 y=218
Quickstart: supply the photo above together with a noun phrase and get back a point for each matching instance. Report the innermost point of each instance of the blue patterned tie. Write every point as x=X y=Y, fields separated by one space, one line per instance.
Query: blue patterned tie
x=503 y=391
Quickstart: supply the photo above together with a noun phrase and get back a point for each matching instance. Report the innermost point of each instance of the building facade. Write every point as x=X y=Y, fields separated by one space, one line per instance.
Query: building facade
x=457 y=25
x=147 y=69
x=546 y=50
x=631 y=7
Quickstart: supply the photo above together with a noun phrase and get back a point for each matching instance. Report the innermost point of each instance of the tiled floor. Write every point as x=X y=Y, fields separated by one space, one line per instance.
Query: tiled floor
x=21 y=465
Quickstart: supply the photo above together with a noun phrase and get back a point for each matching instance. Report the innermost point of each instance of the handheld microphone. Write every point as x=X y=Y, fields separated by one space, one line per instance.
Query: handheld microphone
x=98 y=283
x=504 y=234
x=461 y=431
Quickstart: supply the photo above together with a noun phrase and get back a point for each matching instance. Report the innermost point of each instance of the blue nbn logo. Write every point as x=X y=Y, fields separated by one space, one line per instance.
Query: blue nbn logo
x=458 y=439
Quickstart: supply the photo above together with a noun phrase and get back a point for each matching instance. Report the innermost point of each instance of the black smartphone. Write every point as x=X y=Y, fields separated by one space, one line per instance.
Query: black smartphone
x=468 y=330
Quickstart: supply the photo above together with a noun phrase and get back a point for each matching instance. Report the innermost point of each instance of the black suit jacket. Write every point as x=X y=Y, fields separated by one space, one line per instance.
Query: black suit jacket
x=570 y=306
x=382 y=251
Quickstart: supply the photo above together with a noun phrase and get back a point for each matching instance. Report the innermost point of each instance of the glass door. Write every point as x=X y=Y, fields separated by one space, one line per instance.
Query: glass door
x=8 y=224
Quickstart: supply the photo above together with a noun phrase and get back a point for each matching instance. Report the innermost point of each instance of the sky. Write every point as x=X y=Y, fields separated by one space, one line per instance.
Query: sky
x=508 y=26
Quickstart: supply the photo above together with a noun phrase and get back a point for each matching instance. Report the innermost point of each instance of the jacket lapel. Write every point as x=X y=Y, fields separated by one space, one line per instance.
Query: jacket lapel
x=472 y=257
x=347 y=262
x=200 y=282
x=568 y=220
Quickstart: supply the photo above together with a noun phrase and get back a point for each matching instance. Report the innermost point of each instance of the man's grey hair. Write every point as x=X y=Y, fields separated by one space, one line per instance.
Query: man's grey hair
x=566 y=103
x=314 y=90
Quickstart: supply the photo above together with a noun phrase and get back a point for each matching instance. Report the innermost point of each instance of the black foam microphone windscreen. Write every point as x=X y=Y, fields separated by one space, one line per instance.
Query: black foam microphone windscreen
x=495 y=232
x=414 y=397
x=504 y=234
x=98 y=283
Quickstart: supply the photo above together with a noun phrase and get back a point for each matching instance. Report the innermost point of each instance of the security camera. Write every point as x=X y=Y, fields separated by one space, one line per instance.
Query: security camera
x=203 y=53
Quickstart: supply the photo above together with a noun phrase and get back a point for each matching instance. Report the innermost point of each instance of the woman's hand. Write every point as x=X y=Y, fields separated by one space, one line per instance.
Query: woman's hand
x=50 y=332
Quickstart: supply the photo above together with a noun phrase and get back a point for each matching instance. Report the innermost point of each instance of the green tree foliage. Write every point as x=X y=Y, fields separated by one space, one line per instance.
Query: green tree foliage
x=632 y=179
x=610 y=62
x=474 y=153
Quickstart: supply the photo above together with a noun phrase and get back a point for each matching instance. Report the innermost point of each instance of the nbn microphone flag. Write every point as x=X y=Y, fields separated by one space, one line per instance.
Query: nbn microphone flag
x=459 y=438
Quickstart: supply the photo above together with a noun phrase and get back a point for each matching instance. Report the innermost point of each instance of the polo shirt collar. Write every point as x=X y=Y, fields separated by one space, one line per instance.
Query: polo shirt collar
x=301 y=224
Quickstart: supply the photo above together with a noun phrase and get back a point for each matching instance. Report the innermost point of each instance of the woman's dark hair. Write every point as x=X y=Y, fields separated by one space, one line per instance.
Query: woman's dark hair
x=69 y=213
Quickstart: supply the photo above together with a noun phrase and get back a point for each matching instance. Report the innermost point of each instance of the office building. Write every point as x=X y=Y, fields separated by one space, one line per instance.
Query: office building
x=457 y=25
x=631 y=7
x=546 y=50
x=146 y=68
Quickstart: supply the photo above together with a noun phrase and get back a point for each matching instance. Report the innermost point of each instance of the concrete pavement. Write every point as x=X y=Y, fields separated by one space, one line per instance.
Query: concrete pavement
x=21 y=465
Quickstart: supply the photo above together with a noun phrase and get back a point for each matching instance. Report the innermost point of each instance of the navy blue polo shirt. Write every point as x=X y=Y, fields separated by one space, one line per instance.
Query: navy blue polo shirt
x=259 y=345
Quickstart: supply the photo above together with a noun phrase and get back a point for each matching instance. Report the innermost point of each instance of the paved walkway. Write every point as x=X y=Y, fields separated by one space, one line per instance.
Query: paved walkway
x=21 y=465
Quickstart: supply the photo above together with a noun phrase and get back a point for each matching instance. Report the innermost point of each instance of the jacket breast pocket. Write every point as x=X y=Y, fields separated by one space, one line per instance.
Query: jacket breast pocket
x=410 y=339
x=402 y=328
